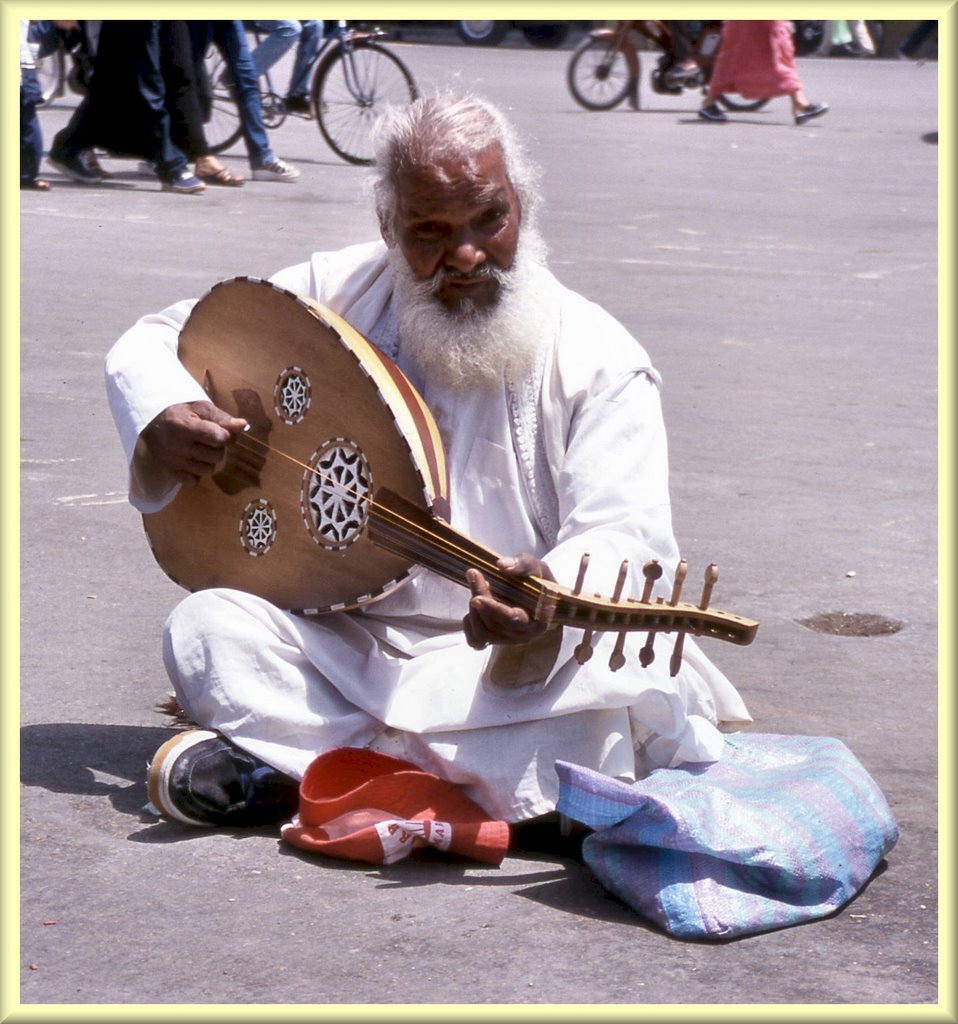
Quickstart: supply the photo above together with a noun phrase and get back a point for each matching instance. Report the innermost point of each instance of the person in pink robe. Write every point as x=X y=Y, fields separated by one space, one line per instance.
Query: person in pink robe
x=757 y=61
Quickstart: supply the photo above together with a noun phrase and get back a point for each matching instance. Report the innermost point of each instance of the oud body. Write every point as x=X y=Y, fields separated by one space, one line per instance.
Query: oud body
x=331 y=421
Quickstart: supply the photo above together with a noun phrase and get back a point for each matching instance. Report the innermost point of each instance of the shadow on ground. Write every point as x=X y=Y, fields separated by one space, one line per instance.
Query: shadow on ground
x=73 y=757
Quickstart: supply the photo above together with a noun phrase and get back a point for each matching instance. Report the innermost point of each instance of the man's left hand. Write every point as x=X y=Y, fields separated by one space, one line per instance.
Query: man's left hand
x=492 y=621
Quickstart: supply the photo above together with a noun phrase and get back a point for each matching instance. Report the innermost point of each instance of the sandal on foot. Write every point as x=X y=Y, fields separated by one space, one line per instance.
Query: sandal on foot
x=35 y=184
x=219 y=176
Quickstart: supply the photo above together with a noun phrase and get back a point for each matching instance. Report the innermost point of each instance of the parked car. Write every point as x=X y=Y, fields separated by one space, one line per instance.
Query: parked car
x=491 y=33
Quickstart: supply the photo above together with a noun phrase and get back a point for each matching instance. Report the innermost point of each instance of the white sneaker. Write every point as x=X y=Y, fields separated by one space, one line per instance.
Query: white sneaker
x=276 y=171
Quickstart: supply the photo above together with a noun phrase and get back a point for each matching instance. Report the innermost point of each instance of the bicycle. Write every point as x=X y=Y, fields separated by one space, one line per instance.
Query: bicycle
x=605 y=68
x=353 y=77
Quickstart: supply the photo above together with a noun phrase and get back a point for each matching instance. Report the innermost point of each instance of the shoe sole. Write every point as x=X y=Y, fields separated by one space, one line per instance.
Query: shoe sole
x=72 y=174
x=160 y=769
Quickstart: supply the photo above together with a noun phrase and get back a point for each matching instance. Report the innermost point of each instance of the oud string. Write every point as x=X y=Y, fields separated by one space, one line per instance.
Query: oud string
x=443 y=545
x=411 y=528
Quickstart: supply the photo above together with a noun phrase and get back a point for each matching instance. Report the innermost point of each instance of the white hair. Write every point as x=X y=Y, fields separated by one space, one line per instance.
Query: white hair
x=443 y=125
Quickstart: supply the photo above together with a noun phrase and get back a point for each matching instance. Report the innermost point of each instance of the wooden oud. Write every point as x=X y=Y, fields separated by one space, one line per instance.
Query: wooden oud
x=339 y=486
x=331 y=421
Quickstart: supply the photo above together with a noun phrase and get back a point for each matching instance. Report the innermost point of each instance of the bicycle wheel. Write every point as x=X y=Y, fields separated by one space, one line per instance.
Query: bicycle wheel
x=598 y=75
x=733 y=102
x=221 y=116
x=350 y=90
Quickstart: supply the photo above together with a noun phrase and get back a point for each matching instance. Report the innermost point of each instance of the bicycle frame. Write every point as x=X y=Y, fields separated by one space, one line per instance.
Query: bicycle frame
x=273 y=103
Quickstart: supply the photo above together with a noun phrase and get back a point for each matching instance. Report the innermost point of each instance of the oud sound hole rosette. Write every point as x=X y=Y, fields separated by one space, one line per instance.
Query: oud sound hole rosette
x=336 y=494
x=291 y=395
x=257 y=527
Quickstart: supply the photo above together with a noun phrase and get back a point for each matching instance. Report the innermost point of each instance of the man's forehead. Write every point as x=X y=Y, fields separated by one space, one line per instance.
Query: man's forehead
x=477 y=177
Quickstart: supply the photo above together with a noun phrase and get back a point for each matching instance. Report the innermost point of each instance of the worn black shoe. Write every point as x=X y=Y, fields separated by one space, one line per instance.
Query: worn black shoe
x=199 y=778
x=713 y=112
x=73 y=166
x=298 y=104
x=812 y=110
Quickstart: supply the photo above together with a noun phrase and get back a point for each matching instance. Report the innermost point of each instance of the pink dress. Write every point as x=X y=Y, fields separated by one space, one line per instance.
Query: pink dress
x=756 y=60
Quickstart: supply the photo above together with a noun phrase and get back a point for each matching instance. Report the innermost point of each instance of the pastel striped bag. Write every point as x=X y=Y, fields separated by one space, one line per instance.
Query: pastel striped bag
x=780 y=830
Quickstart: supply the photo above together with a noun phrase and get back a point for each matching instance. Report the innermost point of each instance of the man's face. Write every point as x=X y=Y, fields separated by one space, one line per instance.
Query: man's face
x=455 y=221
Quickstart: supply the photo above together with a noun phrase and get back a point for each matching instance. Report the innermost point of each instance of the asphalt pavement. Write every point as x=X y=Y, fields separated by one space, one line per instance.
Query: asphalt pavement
x=784 y=281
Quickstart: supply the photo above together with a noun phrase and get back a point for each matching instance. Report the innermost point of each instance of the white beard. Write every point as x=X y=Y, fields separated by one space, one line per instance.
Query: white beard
x=473 y=347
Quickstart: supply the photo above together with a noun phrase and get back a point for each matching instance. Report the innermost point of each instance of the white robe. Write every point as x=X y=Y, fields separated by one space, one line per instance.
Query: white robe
x=398 y=674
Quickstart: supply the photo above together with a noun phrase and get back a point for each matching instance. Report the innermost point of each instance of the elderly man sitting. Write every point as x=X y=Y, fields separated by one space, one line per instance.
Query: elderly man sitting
x=549 y=413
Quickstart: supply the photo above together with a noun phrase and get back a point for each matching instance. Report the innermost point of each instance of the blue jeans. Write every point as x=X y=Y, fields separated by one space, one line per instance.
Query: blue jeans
x=230 y=39
x=31 y=137
x=310 y=40
x=280 y=36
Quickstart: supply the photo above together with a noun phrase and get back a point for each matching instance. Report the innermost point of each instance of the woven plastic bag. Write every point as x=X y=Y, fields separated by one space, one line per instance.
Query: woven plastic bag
x=779 y=830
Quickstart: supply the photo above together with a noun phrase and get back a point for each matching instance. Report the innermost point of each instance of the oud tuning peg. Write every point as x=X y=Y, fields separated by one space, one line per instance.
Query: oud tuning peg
x=711 y=575
x=620 y=580
x=617 y=658
x=583 y=650
x=652 y=571
x=675 y=662
x=580 y=577
x=680 y=570
x=646 y=654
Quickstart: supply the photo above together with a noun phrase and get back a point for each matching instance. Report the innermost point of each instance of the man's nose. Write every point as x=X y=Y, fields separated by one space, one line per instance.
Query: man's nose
x=465 y=253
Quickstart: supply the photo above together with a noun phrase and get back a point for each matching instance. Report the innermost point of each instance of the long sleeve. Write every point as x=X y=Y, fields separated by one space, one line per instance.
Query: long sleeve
x=144 y=377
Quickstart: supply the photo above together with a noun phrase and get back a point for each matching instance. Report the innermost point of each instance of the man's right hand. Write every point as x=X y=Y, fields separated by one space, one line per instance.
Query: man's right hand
x=190 y=439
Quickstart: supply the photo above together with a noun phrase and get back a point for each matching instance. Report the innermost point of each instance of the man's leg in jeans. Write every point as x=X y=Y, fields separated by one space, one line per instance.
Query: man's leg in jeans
x=309 y=43
x=280 y=37
x=230 y=37
x=31 y=134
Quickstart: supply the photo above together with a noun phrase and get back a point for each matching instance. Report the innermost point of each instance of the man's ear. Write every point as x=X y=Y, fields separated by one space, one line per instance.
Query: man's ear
x=388 y=235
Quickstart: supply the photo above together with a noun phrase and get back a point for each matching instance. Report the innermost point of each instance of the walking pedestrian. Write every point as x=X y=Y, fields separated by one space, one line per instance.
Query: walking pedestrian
x=757 y=60
x=124 y=110
x=229 y=37
x=31 y=134
x=184 y=104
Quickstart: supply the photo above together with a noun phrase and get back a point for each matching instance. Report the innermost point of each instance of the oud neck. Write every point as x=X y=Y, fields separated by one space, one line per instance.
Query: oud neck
x=415 y=534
